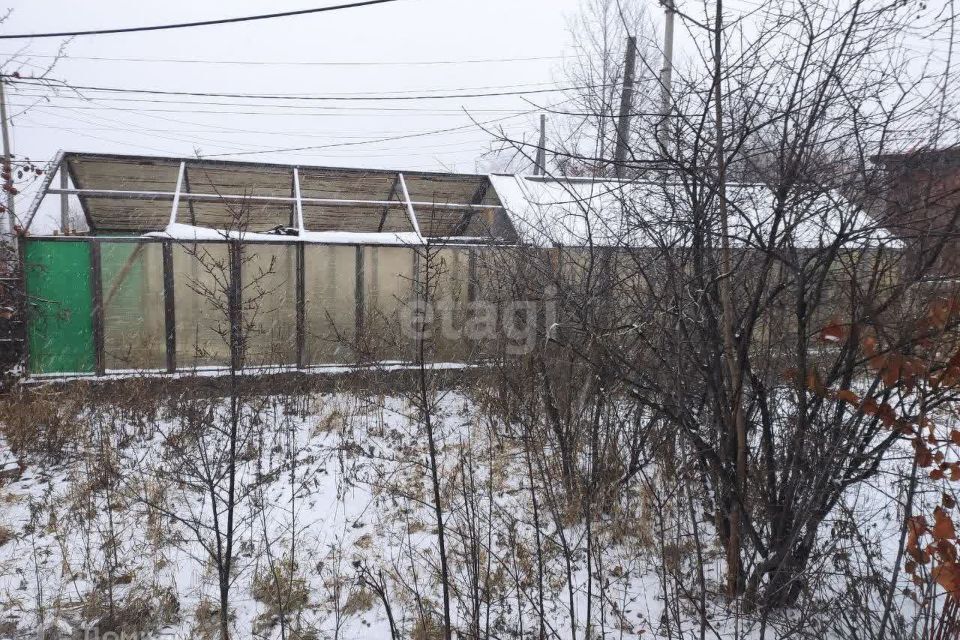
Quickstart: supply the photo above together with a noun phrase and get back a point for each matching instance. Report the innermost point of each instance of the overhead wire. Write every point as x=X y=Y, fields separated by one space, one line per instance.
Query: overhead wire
x=196 y=23
x=375 y=96
x=317 y=63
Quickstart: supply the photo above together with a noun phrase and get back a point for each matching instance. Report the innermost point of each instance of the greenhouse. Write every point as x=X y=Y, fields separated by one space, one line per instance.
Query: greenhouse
x=188 y=264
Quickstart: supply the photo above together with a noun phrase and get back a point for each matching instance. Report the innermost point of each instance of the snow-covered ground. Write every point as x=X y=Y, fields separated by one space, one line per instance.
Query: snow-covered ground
x=340 y=484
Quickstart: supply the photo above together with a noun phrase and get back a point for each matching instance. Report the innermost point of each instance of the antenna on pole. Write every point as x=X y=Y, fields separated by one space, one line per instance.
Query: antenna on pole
x=626 y=100
x=666 y=75
x=540 y=168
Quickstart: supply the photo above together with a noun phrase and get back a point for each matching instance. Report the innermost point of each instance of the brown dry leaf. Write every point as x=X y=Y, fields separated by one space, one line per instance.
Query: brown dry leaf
x=846 y=395
x=943 y=526
x=833 y=332
x=947 y=575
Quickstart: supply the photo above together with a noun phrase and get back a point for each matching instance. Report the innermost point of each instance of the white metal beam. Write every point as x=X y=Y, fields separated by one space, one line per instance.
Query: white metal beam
x=176 y=194
x=44 y=189
x=296 y=194
x=410 y=210
x=228 y=197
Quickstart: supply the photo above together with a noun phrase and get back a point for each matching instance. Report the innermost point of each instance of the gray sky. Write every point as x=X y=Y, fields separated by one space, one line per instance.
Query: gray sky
x=409 y=30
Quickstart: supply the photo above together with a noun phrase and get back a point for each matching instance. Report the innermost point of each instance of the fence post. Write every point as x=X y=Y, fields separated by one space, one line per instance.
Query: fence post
x=359 y=301
x=169 y=310
x=301 y=307
x=96 y=285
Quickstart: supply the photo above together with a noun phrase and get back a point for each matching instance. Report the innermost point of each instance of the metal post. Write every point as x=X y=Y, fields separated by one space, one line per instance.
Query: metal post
x=541 y=165
x=301 y=308
x=176 y=194
x=64 y=202
x=298 y=200
x=169 y=310
x=626 y=101
x=666 y=75
x=410 y=210
x=358 y=297
x=96 y=284
x=8 y=168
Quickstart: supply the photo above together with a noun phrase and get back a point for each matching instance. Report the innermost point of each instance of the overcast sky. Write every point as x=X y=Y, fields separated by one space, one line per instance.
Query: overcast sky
x=405 y=31
x=363 y=51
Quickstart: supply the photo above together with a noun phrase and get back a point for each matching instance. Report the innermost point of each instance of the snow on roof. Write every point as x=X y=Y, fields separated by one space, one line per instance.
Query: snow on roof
x=188 y=233
x=579 y=212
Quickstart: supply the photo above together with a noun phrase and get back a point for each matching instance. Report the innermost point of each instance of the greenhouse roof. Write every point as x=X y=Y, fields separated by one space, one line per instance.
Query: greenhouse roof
x=138 y=195
x=200 y=199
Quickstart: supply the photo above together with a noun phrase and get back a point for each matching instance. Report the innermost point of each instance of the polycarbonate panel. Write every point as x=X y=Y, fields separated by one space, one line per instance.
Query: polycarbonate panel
x=450 y=290
x=330 y=303
x=388 y=302
x=268 y=276
x=133 y=315
x=201 y=276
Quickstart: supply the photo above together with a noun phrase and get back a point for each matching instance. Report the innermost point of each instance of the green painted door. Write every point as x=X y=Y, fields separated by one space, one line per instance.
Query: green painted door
x=60 y=307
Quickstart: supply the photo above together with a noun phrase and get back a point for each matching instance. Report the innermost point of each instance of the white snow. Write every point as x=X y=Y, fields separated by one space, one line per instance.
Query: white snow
x=577 y=213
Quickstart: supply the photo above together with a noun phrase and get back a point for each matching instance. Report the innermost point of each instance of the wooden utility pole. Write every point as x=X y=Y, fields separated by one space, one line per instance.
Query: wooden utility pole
x=7 y=168
x=626 y=100
x=541 y=166
x=666 y=75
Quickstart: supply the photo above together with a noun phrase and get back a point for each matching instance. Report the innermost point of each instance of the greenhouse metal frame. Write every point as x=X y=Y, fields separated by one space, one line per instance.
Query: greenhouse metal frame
x=114 y=299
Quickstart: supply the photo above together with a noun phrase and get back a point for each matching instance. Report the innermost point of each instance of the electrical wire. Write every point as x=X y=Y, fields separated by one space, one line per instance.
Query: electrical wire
x=262 y=96
x=198 y=23
x=312 y=63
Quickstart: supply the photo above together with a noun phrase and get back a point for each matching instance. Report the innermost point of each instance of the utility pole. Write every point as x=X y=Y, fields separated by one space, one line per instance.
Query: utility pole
x=7 y=169
x=666 y=75
x=540 y=168
x=626 y=100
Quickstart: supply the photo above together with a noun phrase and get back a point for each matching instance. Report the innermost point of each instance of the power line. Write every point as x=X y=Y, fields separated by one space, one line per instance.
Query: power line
x=408 y=136
x=358 y=63
x=199 y=23
x=336 y=112
x=263 y=96
x=37 y=91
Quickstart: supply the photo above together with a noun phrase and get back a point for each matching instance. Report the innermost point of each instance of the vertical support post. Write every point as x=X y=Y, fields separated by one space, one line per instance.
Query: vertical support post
x=358 y=297
x=169 y=310
x=64 y=202
x=10 y=227
x=666 y=75
x=96 y=285
x=626 y=100
x=234 y=303
x=541 y=164
x=301 y=307
x=22 y=301
x=471 y=275
x=176 y=194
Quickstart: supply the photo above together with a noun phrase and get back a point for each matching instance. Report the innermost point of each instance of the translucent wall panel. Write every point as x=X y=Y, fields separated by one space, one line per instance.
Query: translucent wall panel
x=449 y=339
x=269 y=304
x=388 y=293
x=330 y=303
x=201 y=280
x=133 y=316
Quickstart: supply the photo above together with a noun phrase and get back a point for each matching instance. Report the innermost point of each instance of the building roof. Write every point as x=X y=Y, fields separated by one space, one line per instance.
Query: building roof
x=197 y=199
x=572 y=212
